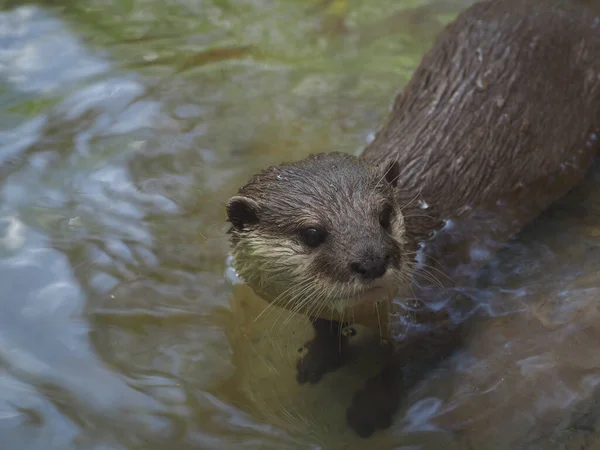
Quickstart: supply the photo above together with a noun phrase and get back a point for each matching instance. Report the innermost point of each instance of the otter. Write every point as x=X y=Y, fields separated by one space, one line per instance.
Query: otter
x=500 y=119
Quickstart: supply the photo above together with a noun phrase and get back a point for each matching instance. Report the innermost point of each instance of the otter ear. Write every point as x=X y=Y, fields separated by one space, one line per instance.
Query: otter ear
x=242 y=211
x=391 y=172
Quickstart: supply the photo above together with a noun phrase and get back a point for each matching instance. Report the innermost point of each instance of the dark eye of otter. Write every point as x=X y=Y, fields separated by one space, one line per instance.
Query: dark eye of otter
x=313 y=236
x=386 y=216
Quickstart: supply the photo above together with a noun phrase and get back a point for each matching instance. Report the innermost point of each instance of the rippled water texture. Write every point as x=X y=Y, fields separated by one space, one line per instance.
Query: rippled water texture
x=124 y=127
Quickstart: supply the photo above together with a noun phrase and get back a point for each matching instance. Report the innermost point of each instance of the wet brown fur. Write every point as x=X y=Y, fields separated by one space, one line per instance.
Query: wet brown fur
x=500 y=119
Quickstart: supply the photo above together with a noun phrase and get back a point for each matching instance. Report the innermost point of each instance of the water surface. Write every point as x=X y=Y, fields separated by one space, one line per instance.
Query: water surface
x=125 y=126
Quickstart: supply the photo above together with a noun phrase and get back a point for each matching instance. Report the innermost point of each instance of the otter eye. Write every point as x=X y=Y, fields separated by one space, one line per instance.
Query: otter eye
x=386 y=216
x=313 y=236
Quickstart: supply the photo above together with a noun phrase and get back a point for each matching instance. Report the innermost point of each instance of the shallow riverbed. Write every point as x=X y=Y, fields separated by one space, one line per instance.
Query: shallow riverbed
x=124 y=127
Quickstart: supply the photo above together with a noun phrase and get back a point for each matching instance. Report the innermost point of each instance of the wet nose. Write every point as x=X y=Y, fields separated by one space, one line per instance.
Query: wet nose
x=370 y=268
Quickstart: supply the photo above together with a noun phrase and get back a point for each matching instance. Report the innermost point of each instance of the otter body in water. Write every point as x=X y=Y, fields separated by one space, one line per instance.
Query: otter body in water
x=500 y=119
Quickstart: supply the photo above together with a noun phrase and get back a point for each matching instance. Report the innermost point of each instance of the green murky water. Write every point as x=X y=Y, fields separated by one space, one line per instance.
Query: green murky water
x=124 y=127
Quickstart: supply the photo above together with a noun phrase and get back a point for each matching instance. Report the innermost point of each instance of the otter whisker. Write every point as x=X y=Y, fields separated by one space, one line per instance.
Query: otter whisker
x=390 y=167
x=299 y=291
x=420 y=215
x=311 y=297
x=436 y=269
x=318 y=305
x=379 y=322
x=305 y=294
x=424 y=269
x=423 y=273
x=406 y=205
x=412 y=288
x=341 y=329
x=293 y=292
x=277 y=301
x=423 y=265
x=279 y=324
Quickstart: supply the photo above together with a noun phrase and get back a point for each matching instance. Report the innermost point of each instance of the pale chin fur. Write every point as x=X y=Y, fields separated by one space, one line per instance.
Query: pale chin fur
x=380 y=290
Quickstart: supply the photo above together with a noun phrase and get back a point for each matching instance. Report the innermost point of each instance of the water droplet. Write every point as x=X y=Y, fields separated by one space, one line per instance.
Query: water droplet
x=534 y=42
x=420 y=257
x=448 y=224
x=479 y=54
x=423 y=204
x=482 y=82
x=231 y=273
x=370 y=137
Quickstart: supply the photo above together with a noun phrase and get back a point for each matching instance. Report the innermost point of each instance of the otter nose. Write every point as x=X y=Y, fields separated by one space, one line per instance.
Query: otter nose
x=370 y=268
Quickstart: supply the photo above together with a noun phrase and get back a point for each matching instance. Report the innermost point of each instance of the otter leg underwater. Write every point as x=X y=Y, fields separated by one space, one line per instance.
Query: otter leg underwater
x=325 y=352
x=374 y=405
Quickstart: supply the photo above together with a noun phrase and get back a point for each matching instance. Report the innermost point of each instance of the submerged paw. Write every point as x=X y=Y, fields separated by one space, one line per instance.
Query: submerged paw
x=319 y=359
x=373 y=407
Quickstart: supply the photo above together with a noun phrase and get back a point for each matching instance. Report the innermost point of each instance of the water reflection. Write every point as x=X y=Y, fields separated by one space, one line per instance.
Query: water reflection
x=116 y=326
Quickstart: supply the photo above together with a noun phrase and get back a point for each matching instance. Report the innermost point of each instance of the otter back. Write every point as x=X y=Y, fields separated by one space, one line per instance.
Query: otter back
x=501 y=118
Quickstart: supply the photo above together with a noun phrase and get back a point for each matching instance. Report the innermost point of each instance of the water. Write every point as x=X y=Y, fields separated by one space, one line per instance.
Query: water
x=125 y=126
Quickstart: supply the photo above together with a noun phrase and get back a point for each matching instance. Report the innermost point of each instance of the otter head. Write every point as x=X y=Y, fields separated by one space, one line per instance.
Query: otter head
x=324 y=233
